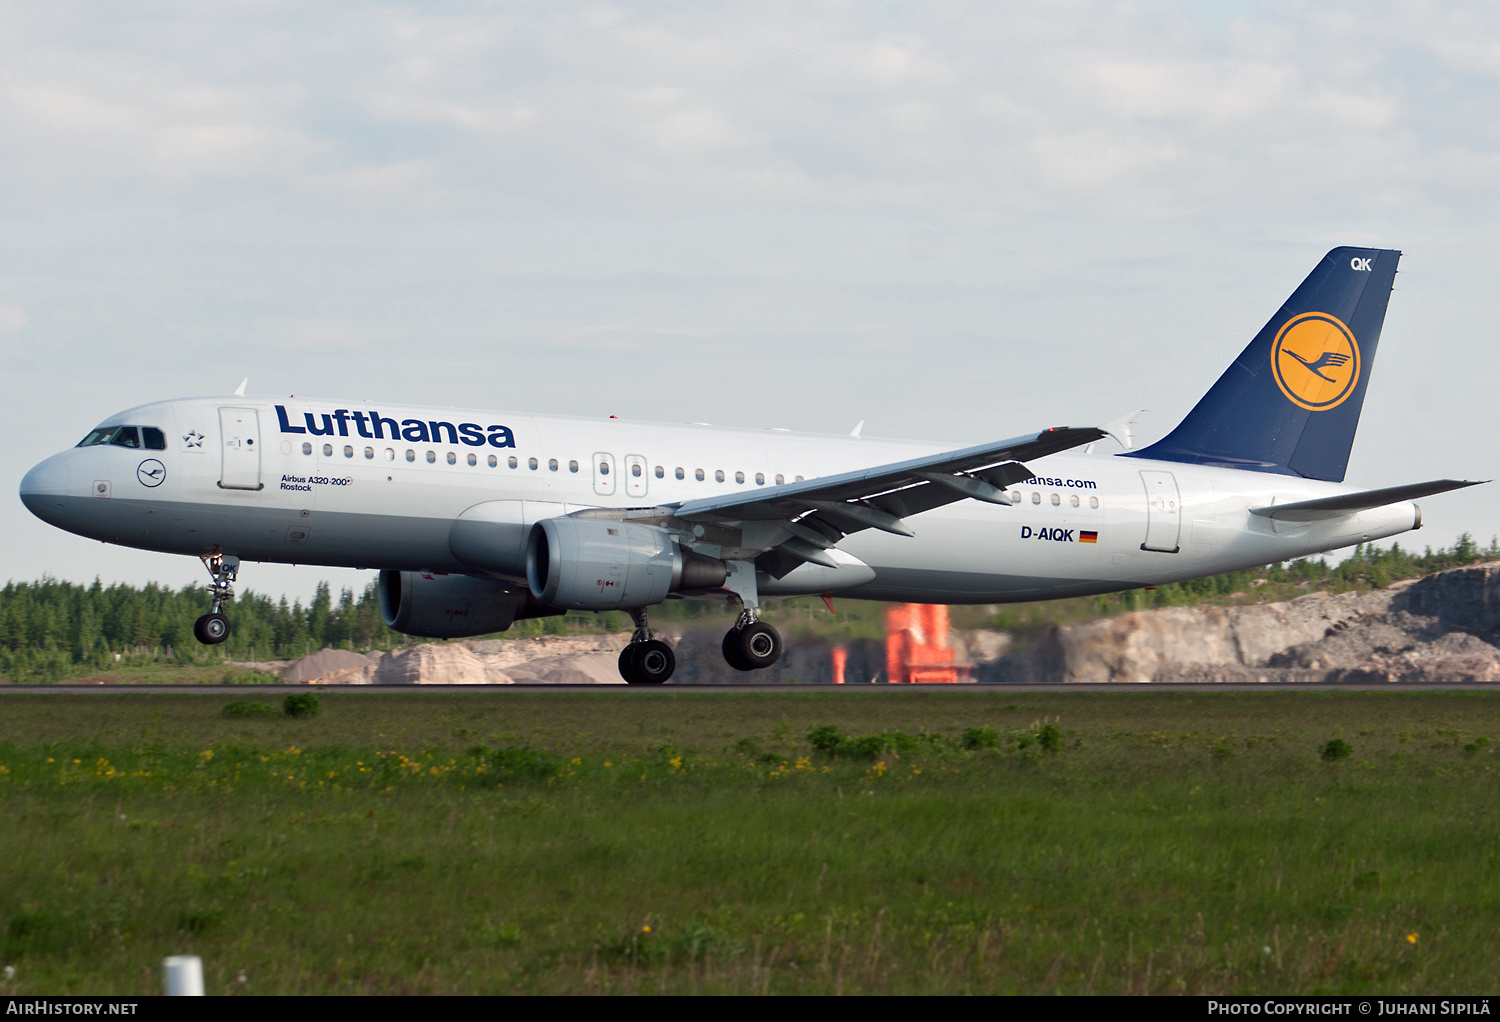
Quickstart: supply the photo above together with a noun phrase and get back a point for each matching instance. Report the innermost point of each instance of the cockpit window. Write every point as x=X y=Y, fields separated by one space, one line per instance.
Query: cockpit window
x=127 y=436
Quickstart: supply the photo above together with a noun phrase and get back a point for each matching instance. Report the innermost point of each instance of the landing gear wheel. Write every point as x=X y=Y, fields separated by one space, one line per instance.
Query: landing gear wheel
x=654 y=662
x=211 y=629
x=628 y=669
x=758 y=645
x=731 y=648
x=647 y=663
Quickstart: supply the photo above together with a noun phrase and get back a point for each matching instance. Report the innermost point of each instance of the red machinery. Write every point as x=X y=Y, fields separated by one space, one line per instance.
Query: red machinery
x=916 y=646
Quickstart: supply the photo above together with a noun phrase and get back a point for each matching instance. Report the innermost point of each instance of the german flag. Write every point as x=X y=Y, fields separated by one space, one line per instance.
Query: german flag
x=1087 y=537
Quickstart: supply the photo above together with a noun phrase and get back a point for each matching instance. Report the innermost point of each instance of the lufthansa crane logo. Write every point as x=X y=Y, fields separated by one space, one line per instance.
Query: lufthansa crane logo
x=151 y=472
x=1316 y=361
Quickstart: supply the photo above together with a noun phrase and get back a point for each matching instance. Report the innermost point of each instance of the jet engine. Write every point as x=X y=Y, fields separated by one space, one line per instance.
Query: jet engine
x=452 y=606
x=598 y=564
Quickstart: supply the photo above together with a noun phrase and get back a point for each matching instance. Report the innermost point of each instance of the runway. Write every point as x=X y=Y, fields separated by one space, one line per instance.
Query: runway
x=280 y=690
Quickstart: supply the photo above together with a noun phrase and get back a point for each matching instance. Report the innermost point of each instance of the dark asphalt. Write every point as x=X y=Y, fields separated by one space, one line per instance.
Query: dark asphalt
x=250 y=690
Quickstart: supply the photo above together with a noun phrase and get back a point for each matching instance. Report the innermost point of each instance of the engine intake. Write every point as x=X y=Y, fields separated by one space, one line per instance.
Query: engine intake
x=452 y=606
x=597 y=564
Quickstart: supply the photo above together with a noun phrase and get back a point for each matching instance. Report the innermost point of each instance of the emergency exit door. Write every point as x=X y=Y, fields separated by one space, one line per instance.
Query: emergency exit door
x=1163 y=512
x=239 y=442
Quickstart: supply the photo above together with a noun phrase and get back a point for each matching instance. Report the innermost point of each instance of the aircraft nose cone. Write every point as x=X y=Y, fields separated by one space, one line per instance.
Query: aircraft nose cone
x=45 y=489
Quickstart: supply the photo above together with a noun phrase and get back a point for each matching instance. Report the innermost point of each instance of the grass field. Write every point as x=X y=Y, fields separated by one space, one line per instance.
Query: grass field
x=658 y=841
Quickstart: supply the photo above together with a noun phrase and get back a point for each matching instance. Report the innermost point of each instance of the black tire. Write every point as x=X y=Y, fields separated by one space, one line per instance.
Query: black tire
x=628 y=660
x=211 y=629
x=758 y=646
x=731 y=648
x=654 y=662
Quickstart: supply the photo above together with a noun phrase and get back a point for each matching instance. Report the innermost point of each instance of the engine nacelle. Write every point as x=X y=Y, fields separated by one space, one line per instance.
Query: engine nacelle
x=452 y=606
x=598 y=564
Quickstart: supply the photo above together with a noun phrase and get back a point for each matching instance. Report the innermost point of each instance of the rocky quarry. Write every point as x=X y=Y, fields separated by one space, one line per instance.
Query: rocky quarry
x=1440 y=628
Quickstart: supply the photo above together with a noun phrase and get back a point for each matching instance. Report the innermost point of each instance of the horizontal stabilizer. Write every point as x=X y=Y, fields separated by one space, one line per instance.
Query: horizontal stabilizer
x=1351 y=503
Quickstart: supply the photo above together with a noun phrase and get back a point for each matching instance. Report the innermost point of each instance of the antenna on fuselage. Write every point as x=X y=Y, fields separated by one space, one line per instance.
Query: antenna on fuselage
x=240 y=390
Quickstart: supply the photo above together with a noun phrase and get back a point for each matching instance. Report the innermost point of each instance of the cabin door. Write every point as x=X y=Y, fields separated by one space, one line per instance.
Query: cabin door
x=239 y=436
x=635 y=475
x=1163 y=512
x=604 y=474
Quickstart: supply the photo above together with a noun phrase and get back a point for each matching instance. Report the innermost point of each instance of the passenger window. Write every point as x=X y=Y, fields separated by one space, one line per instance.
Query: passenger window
x=799 y=479
x=531 y=464
x=1036 y=498
x=348 y=451
x=452 y=458
x=494 y=461
x=1056 y=500
x=155 y=439
x=739 y=477
x=126 y=437
x=328 y=450
x=760 y=479
x=680 y=473
x=660 y=472
x=1015 y=496
x=780 y=479
x=552 y=464
x=369 y=454
x=473 y=460
x=432 y=457
x=719 y=476
x=572 y=466
x=1093 y=502
x=411 y=455
x=604 y=468
x=511 y=462
x=306 y=448
x=1073 y=500
x=635 y=470
x=390 y=455
x=698 y=474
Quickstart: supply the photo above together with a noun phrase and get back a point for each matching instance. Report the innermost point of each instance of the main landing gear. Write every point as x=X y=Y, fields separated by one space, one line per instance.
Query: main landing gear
x=751 y=645
x=646 y=661
x=213 y=628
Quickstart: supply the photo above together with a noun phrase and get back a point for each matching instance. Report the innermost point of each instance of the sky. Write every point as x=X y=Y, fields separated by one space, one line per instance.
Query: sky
x=954 y=221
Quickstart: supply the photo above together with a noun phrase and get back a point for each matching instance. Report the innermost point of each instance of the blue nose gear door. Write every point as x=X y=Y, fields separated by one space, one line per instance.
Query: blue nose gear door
x=239 y=441
x=1163 y=512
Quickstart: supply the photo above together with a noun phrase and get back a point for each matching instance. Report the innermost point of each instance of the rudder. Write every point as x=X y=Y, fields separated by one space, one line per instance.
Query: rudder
x=1290 y=403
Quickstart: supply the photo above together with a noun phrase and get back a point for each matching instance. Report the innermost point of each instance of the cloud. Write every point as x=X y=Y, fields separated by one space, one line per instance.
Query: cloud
x=634 y=108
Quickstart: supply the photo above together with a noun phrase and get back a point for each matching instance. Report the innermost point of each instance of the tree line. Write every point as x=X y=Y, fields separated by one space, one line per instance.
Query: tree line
x=52 y=630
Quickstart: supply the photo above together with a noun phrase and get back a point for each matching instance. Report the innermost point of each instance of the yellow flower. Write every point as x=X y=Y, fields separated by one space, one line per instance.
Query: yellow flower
x=1411 y=938
x=645 y=929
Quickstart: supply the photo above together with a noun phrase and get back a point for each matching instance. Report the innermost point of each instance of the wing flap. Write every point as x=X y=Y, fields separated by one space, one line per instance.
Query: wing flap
x=993 y=462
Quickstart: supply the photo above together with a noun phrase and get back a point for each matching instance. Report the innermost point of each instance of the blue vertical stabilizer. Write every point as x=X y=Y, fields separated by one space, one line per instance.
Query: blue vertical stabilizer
x=1290 y=403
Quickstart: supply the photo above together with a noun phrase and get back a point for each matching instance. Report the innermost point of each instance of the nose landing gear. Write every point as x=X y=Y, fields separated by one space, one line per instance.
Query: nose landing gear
x=213 y=628
x=646 y=661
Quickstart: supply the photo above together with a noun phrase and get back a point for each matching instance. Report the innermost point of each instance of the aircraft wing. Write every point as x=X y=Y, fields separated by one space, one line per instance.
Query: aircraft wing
x=1350 y=503
x=799 y=522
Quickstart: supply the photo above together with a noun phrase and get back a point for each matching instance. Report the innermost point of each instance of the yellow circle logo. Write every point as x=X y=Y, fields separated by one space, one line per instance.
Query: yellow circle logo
x=1316 y=361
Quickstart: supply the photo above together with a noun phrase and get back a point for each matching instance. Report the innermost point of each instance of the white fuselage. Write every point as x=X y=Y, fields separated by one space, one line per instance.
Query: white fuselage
x=253 y=478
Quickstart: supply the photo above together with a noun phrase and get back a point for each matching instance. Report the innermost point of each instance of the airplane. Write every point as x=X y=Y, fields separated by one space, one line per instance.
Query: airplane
x=478 y=519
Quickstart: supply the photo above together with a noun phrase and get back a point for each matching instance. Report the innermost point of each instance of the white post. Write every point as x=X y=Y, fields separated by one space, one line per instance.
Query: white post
x=183 y=975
